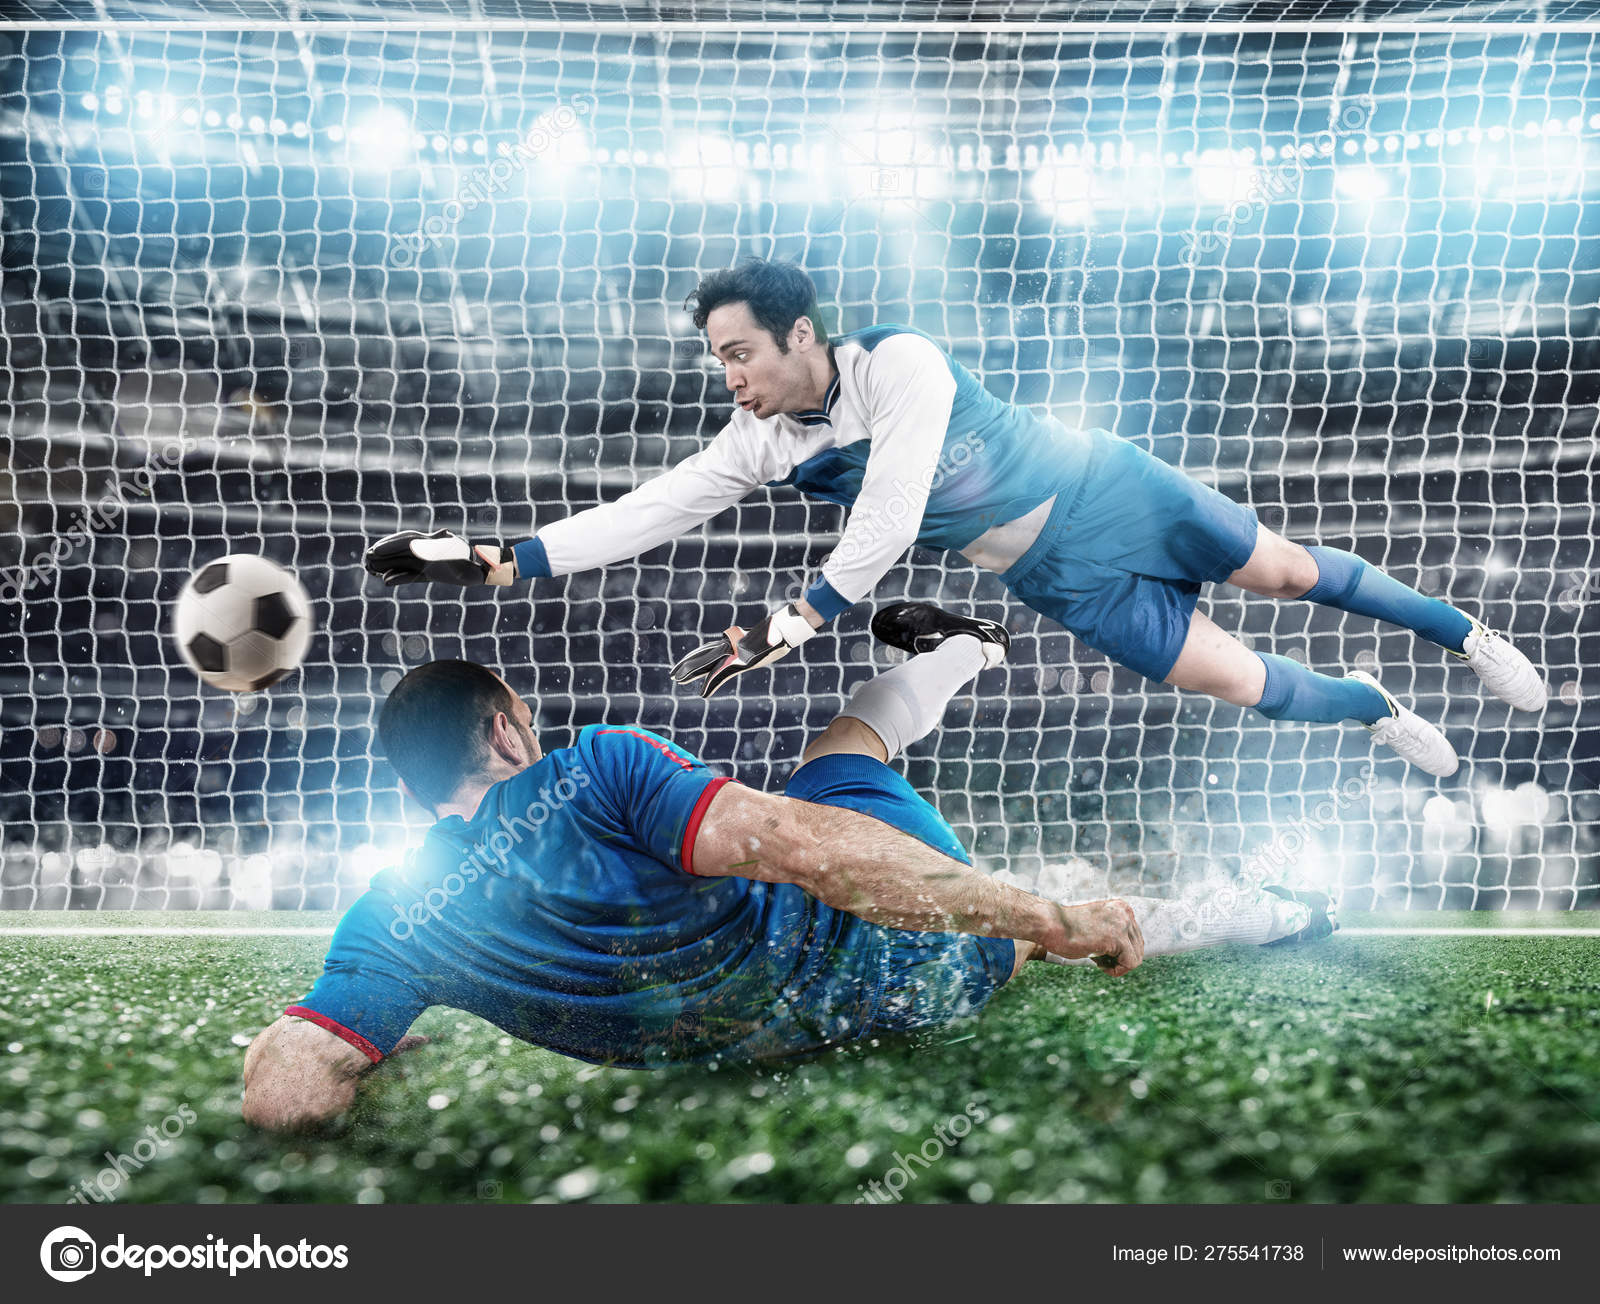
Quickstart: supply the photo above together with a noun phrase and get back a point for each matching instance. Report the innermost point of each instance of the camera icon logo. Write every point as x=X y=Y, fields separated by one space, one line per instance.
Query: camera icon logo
x=1278 y=1190
x=68 y=1254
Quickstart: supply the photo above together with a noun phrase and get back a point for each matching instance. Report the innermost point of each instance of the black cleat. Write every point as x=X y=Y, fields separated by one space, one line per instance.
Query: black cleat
x=1324 y=918
x=920 y=627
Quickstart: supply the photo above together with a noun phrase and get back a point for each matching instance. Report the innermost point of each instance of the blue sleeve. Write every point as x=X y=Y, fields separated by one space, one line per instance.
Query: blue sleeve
x=826 y=600
x=533 y=562
x=361 y=996
x=653 y=794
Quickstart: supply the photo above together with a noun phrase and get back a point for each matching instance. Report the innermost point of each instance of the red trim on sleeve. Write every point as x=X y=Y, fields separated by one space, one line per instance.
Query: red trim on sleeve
x=654 y=742
x=338 y=1030
x=686 y=855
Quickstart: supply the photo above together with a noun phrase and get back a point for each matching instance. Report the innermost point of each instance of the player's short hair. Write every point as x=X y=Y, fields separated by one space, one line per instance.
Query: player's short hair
x=778 y=294
x=434 y=726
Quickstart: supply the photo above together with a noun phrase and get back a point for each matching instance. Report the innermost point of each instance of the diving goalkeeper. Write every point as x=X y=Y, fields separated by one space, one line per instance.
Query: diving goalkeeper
x=1083 y=526
x=618 y=902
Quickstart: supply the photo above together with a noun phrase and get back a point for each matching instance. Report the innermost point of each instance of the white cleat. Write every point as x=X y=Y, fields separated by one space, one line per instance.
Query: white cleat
x=1505 y=672
x=1412 y=737
x=1304 y=916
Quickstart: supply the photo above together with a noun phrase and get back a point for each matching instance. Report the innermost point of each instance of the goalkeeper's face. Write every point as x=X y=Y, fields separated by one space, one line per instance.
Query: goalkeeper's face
x=763 y=379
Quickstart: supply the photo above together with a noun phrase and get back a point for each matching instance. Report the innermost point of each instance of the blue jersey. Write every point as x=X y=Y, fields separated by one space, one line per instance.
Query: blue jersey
x=567 y=913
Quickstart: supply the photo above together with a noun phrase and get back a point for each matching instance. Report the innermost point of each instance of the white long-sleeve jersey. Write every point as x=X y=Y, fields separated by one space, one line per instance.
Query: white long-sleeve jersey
x=906 y=439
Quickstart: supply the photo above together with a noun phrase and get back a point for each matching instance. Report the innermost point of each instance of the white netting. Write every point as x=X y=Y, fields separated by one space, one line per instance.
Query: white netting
x=313 y=285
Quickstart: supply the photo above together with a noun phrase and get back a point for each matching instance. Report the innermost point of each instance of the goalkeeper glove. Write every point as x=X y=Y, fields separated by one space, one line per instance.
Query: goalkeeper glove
x=411 y=556
x=736 y=650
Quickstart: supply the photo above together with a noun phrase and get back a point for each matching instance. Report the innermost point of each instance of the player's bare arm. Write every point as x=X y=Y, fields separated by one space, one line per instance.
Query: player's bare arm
x=853 y=862
x=298 y=1077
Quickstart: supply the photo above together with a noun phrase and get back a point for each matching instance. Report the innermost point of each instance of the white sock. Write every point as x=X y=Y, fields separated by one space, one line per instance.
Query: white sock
x=1170 y=927
x=906 y=702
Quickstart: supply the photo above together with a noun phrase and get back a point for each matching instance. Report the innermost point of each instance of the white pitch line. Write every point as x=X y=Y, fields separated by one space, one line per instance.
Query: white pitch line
x=1469 y=932
x=166 y=932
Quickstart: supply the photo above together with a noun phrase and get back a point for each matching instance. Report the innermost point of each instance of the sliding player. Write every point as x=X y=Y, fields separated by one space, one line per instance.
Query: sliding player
x=617 y=902
x=1083 y=526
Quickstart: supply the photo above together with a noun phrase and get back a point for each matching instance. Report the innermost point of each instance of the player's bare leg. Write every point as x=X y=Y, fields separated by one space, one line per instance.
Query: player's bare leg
x=846 y=734
x=1279 y=568
x=906 y=702
x=1213 y=661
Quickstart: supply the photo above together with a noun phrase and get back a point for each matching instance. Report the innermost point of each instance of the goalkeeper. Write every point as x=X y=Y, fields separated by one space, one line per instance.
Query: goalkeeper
x=1083 y=526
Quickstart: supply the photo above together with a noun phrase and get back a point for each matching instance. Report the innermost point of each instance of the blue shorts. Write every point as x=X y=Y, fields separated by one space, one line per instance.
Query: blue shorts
x=1122 y=557
x=919 y=980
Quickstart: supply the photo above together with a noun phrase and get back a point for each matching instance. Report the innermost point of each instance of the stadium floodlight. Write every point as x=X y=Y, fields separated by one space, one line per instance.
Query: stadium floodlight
x=700 y=165
x=892 y=160
x=1309 y=319
x=382 y=139
x=1361 y=183
x=1069 y=190
x=1223 y=178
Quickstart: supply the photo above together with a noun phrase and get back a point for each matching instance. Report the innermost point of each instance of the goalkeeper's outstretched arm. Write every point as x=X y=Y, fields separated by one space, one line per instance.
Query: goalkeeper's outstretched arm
x=659 y=510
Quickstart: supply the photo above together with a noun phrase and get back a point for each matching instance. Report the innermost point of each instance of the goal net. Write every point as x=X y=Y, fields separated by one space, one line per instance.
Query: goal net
x=282 y=286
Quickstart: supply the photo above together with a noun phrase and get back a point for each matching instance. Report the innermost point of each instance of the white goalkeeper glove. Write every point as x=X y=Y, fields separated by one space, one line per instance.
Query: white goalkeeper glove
x=736 y=650
x=410 y=557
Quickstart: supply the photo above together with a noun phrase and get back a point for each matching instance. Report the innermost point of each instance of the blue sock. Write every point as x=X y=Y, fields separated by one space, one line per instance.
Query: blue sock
x=1294 y=693
x=1350 y=584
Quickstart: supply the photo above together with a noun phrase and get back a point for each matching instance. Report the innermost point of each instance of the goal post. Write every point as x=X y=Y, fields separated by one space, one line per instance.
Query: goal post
x=285 y=286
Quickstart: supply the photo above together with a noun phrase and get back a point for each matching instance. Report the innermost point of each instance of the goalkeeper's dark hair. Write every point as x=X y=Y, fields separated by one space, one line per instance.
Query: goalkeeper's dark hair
x=434 y=726
x=778 y=294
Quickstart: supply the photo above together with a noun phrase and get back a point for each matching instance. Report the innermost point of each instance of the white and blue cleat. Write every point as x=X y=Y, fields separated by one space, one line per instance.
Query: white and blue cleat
x=1411 y=737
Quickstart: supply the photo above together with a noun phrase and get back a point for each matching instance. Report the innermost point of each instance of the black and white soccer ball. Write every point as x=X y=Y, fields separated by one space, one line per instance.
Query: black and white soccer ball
x=242 y=623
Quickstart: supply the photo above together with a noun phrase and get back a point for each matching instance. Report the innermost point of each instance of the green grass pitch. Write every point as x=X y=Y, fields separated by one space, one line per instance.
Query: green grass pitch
x=1364 y=1068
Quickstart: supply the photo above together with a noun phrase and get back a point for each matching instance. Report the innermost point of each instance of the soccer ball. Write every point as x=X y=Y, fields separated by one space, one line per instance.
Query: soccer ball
x=242 y=623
